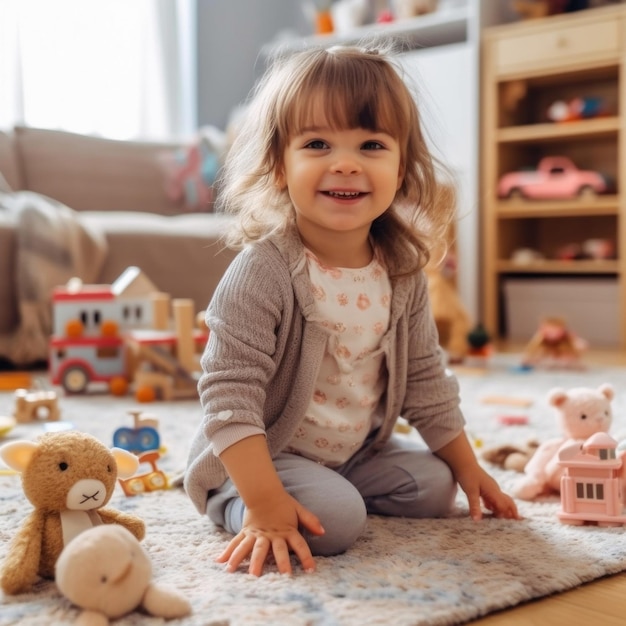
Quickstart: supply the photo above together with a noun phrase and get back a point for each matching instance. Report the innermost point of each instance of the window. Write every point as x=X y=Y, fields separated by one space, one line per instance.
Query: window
x=590 y=491
x=119 y=69
x=606 y=454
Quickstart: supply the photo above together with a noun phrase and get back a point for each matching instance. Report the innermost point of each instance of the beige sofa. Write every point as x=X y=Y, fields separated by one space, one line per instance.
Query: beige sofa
x=117 y=188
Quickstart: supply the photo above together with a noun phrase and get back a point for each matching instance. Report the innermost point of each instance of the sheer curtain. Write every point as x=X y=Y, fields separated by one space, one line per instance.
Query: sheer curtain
x=117 y=68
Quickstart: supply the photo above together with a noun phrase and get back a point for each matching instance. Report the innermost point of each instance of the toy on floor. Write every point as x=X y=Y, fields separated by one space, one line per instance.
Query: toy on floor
x=68 y=477
x=122 y=333
x=580 y=412
x=106 y=572
x=509 y=456
x=7 y=424
x=142 y=437
x=36 y=405
x=10 y=381
x=153 y=480
x=554 y=345
x=479 y=345
x=592 y=482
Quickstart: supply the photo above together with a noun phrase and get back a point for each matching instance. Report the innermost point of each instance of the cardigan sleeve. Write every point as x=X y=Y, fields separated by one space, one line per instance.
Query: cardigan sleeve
x=237 y=362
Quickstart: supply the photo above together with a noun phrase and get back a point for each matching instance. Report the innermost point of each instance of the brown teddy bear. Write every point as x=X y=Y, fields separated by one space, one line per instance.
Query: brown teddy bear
x=68 y=477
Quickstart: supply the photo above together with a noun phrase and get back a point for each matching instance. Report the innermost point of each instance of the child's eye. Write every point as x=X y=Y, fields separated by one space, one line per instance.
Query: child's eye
x=372 y=145
x=317 y=144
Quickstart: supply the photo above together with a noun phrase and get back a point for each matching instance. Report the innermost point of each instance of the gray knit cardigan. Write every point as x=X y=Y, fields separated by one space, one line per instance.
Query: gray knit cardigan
x=265 y=348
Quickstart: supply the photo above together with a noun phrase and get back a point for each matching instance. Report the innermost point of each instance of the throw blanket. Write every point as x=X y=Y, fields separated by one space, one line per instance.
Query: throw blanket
x=53 y=246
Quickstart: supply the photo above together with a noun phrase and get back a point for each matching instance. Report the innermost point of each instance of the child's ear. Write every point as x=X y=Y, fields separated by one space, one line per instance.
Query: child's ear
x=401 y=172
x=280 y=180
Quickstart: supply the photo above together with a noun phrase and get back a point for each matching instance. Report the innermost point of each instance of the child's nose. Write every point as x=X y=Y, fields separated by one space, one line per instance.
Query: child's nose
x=345 y=164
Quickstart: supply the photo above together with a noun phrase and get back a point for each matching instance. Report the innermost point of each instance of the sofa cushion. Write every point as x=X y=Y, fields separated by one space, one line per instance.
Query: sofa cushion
x=93 y=174
x=183 y=256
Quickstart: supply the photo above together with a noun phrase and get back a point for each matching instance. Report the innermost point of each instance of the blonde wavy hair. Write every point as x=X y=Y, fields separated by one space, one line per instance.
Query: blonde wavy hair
x=362 y=87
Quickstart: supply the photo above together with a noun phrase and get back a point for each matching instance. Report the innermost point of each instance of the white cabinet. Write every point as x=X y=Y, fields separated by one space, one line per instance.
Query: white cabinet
x=446 y=86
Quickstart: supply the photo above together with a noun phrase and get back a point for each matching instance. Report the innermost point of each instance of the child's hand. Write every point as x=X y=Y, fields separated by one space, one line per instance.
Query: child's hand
x=272 y=527
x=478 y=485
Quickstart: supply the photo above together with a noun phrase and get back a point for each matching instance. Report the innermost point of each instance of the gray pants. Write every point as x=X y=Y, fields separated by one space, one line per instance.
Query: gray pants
x=402 y=480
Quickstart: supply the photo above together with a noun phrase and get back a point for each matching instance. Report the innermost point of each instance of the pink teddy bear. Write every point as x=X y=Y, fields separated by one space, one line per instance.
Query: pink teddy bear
x=581 y=412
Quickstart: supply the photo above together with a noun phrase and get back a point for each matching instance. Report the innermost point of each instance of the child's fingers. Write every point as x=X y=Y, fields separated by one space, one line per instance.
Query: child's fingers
x=281 y=556
x=244 y=548
x=475 y=510
x=310 y=521
x=258 y=555
x=301 y=549
x=228 y=550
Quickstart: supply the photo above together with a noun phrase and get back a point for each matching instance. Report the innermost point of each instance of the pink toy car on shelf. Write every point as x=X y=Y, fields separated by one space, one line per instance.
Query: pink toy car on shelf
x=556 y=177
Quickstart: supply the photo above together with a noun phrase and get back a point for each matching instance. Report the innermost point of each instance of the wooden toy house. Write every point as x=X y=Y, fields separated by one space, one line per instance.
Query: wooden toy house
x=121 y=333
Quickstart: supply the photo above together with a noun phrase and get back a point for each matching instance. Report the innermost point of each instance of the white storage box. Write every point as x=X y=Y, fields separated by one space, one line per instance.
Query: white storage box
x=589 y=306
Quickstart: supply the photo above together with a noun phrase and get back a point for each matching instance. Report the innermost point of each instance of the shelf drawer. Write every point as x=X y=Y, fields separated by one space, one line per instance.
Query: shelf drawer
x=561 y=47
x=589 y=306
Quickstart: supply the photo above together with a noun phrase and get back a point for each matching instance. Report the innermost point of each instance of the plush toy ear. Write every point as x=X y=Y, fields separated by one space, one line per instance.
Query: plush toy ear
x=557 y=396
x=607 y=391
x=127 y=463
x=17 y=454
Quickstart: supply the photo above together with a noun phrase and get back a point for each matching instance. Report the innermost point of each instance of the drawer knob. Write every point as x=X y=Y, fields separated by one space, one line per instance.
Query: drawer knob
x=561 y=42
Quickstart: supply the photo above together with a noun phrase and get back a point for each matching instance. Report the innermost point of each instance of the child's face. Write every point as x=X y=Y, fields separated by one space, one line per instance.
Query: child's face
x=340 y=180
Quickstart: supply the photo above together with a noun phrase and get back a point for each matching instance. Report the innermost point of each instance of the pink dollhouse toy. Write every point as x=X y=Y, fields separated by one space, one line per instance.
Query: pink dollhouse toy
x=591 y=487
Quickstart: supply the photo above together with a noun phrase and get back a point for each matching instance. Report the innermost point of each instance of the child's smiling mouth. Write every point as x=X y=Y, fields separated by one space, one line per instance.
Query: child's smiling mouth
x=347 y=195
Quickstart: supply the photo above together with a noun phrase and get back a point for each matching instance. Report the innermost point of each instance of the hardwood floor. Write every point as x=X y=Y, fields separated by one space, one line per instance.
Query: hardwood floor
x=601 y=601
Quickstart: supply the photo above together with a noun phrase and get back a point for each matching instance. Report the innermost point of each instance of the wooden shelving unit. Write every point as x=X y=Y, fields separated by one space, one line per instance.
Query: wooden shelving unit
x=525 y=68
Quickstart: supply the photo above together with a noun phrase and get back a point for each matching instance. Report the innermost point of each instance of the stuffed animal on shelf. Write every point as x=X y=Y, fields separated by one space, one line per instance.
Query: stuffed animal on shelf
x=581 y=412
x=107 y=573
x=68 y=477
x=405 y=9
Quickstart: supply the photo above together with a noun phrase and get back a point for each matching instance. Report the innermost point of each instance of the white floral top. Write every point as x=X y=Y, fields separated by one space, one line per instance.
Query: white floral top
x=354 y=304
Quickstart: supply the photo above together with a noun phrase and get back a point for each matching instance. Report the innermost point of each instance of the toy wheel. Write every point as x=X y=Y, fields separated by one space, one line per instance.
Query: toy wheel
x=147 y=439
x=75 y=379
x=515 y=193
x=587 y=192
x=157 y=481
x=124 y=438
x=135 y=486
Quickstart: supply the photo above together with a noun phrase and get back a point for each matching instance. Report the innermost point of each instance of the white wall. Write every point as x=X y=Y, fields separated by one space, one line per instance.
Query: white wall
x=230 y=35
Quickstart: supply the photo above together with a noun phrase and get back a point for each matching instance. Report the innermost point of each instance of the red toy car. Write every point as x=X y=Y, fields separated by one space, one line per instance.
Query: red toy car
x=554 y=178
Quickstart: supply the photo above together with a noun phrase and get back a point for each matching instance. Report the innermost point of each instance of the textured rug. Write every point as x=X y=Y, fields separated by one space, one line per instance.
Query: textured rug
x=401 y=572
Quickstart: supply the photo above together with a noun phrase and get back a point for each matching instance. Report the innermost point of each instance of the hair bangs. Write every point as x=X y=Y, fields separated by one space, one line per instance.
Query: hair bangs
x=342 y=89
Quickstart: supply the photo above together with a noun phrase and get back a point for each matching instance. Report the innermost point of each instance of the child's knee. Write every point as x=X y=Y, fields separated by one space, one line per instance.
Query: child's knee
x=439 y=495
x=344 y=522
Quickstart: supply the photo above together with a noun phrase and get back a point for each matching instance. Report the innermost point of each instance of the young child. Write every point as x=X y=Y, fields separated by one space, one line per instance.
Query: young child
x=321 y=333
